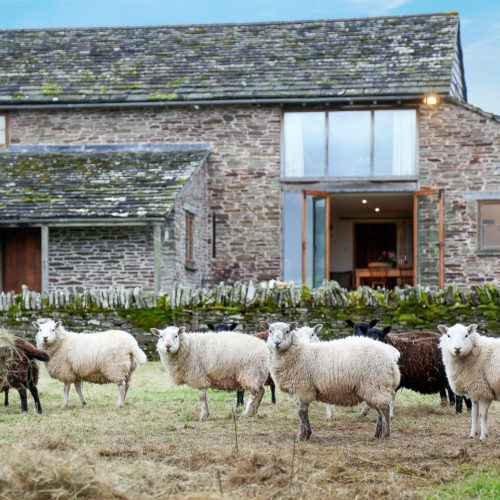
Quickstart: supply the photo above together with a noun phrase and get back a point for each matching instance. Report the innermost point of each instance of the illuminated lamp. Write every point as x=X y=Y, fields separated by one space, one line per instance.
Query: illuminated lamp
x=431 y=100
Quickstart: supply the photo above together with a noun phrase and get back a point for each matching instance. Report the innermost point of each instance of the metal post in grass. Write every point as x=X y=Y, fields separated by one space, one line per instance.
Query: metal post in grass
x=235 y=431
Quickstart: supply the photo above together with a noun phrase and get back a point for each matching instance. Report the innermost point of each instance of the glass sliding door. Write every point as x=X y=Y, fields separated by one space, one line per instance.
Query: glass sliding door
x=315 y=237
x=428 y=233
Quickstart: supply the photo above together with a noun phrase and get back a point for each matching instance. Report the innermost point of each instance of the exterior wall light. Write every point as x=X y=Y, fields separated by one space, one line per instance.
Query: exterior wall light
x=364 y=201
x=377 y=209
x=431 y=100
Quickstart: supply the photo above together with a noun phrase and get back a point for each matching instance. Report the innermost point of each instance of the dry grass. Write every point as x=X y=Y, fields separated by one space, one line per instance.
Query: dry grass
x=155 y=447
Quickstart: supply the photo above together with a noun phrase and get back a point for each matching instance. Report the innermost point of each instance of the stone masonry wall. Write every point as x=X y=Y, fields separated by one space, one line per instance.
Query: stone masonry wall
x=243 y=167
x=100 y=257
x=460 y=152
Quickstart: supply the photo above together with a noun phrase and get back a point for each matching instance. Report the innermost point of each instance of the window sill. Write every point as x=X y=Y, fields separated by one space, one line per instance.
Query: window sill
x=395 y=178
x=190 y=266
x=493 y=252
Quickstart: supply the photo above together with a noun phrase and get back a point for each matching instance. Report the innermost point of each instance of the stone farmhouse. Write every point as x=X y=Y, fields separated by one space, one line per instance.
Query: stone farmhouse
x=140 y=156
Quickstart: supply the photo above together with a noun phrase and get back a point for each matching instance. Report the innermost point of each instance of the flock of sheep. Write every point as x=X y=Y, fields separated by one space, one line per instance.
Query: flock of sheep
x=368 y=366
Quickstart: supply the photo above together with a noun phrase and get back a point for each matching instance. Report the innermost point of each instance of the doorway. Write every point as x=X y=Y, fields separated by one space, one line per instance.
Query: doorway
x=21 y=259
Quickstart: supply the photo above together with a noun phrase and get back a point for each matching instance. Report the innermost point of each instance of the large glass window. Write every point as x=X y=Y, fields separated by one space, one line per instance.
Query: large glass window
x=349 y=143
x=489 y=225
x=3 y=131
x=364 y=143
x=304 y=144
x=292 y=237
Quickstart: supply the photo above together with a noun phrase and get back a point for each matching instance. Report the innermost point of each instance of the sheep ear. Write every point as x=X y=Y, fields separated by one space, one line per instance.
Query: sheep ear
x=443 y=329
x=211 y=326
x=181 y=330
x=293 y=325
x=233 y=326
x=265 y=325
x=36 y=325
x=373 y=322
x=349 y=322
x=57 y=325
x=317 y=327
x=471 y=329
x=385 y=331
x=155 y=331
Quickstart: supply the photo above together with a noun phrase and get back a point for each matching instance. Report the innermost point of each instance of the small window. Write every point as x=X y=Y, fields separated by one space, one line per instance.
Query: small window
x=189 y=238
x=489 y=225
x=3 y=131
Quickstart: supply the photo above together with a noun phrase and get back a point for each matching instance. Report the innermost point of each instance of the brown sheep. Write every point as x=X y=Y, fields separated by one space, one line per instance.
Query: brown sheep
x=20 y=370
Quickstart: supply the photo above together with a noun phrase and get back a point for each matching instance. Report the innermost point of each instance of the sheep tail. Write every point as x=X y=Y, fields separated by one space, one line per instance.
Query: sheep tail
x=138 y=356
x=30 y=351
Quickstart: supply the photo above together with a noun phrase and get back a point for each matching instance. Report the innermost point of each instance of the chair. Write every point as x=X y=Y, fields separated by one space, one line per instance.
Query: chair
x=378 y=274
x=405 y=275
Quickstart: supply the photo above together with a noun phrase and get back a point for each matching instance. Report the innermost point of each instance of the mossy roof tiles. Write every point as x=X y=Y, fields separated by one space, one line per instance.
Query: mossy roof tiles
x=93 y=185
x=380 y=56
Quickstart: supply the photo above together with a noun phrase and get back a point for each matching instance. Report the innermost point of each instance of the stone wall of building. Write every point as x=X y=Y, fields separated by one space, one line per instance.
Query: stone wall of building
x=243 y=168
x=460 y=153
x=100 y=257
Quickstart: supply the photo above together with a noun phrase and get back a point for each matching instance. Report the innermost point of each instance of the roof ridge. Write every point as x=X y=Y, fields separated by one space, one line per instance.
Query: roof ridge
x=253 y=23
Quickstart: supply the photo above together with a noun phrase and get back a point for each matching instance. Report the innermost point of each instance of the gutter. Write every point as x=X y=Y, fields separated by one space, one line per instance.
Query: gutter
x=206 y=102
x=79 y=222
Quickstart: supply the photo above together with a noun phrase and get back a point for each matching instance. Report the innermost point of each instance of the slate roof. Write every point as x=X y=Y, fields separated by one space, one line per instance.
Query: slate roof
x=379 y=56
x=93 y=185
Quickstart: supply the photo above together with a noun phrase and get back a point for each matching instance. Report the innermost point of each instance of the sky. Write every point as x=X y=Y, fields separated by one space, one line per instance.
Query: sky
x=479 y=23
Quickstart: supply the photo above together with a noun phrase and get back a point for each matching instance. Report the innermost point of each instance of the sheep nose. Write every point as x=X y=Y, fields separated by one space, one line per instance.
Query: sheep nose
x=277 y=344
x=457 y=350
x=45 y=339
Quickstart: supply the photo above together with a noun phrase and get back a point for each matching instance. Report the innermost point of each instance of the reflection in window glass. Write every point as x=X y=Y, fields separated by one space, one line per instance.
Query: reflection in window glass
x=304 y=144
x=490 y=225
x=292 y=237
x=349 y=143
x=3 y=135
x=394 y=142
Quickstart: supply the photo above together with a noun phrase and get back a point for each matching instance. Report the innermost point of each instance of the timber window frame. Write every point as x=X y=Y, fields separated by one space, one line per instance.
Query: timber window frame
x=189 y=240
x=488 y=226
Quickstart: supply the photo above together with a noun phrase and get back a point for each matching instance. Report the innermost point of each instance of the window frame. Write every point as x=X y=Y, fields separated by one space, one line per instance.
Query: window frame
x=480 y=248
x=371 y=177
x=6 y=145
x=189 y=239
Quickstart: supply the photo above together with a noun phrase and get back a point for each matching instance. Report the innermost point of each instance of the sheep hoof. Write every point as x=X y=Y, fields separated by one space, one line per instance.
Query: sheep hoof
x=203 y=417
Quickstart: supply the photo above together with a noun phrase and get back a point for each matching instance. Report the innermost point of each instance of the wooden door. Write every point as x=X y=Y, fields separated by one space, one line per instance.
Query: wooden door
x=22 y=259
x=428 y=236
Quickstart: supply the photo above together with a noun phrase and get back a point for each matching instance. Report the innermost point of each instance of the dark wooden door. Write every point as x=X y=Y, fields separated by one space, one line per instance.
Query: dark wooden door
x=22 y=259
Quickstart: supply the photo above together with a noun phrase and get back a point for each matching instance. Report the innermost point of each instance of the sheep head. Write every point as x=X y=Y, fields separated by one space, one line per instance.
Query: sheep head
x=222 y=327
x=48 y=333
x=359 y=327
x=458 y=340
x=280 y=334
x=168 y=339
x=308 y=333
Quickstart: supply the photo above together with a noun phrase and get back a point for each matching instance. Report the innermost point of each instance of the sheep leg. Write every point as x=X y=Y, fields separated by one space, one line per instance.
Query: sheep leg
x=475 y=414
x=468 y=403
x=483 y=415
x=305 y=427
x=78 y=388
x=34 y=392
x=273 y=392
x=378 y=426
x=202 y=395
x=6 y=401
x=122 y=391
x=386 y=421
x=239 y=398
x=458 y=404
x=364 y=411
x=392 y=402
x=451 y=396
x=253 y=403
x=67 y=385
x=444 y=398
x=328 y=411
x=24 y=399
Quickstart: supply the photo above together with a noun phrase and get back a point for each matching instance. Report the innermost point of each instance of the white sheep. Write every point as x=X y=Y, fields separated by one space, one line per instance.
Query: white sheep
x=109 y=357
x=310 y=334
x=342 y=372
x=227 y=361
x=472 y=364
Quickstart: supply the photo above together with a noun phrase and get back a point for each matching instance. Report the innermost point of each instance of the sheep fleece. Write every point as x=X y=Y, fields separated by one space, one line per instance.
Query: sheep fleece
x=342 y=372
x=100 y=358
x=225 y=361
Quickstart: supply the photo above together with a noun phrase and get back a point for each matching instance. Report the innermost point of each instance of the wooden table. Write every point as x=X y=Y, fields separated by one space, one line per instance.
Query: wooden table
x=364 y=272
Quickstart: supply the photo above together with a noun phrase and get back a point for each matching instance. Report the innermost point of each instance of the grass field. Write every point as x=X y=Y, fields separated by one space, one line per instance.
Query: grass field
x=155 y=447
